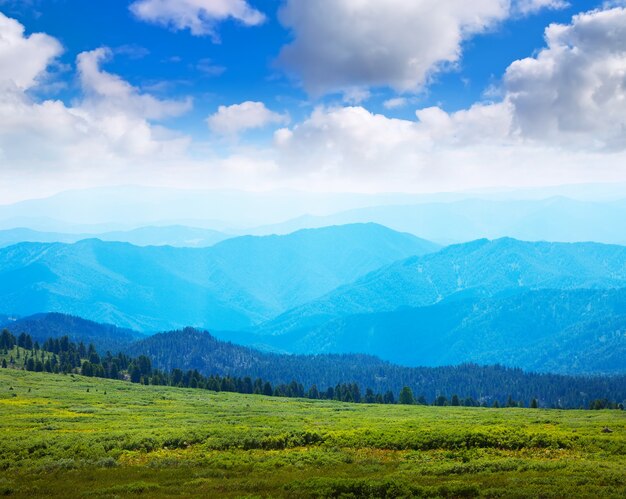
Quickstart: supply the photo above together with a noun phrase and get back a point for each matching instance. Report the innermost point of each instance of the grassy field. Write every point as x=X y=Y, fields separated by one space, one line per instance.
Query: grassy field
x=69 y=436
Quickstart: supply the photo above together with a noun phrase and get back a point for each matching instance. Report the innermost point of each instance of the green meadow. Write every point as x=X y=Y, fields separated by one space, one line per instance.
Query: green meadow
x=71 y=436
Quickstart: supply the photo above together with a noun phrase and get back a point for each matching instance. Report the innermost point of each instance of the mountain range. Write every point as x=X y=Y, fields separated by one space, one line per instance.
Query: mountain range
x=461 y=220
x=176 y=235
x=575 y=331
x=360 y=288
x=234 y=284
x=528 y=214
x=480 y=268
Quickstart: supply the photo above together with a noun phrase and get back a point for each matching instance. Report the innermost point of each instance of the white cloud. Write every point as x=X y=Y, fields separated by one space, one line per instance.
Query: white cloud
x=342 y=44
x=353 y=149
x=115 y=94
x=562 y=118
x=395 y=103
x=356 y=95
x=347 y=141
x=199 y=16
x=573 y=92
x=232 y=120
x=110 y=127
x=24 y=59
x=526 y=7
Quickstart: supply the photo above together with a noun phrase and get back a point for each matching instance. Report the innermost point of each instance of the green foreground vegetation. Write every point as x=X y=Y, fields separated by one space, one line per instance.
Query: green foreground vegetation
x=69 y=435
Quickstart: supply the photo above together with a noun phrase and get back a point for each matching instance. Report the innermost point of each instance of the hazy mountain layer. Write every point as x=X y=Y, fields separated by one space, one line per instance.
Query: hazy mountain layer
x=468 y=219
x=179 y=236
x=579 y=331
x=480 y=268
x=233 y=284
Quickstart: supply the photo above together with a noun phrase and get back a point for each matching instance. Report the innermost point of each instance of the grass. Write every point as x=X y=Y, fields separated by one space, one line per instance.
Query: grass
x=66 y=435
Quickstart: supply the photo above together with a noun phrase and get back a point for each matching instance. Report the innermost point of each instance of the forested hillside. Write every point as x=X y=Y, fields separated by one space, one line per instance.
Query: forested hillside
x=41 y=327
x=575 y=331
x=193 y=349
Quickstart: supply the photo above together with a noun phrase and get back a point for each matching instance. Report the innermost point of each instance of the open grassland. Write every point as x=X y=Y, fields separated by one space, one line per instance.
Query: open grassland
x=69 y=436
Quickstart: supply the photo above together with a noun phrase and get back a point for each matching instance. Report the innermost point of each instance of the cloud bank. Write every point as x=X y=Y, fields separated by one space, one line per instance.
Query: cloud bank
x=560 y=117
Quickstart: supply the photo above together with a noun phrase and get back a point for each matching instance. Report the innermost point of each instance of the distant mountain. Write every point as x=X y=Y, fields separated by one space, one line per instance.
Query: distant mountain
x=174 y=235
x=463 y=220
x=52 y=325
x=179 y=236
x=478 y=268
x=234 y=284
x=578 y=331
x=134 y=206
x=10 y=237
x=449 y=217
x=193 y=349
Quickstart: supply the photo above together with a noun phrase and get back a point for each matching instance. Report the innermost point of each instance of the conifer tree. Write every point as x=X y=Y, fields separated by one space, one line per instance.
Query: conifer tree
x=406 y=396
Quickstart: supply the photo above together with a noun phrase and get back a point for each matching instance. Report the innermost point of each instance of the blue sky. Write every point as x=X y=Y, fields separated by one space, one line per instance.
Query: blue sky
x=326 y=77
x=150 y=55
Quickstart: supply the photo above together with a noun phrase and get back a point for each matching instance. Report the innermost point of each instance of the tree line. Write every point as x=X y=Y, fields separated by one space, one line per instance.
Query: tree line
x=484 y=385
x=62 y=356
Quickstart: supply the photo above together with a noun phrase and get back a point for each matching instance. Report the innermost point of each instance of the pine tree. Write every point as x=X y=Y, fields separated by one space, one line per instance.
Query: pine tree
x=389 y=398
x=135 y=374
x=314 y=392
x=406 y=396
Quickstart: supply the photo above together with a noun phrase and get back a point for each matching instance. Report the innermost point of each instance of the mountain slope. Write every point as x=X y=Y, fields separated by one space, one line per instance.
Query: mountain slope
x=193 y=349
x=52 y=325
x=579 y=331
x=233 y=284
x=480 y=268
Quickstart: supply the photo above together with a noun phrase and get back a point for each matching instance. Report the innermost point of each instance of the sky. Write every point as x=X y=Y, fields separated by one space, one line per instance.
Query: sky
x=324 y=96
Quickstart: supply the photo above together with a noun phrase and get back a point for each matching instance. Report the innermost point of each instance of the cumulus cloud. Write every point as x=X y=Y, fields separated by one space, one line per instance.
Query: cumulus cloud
x=574 y=91
x=199 y=16
x=353 y=139
x=24 y=59
x=351 y=148
x=562 y=116
x=109 y=127
x=343 y=44
x=232 y=120
x=102 y=88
